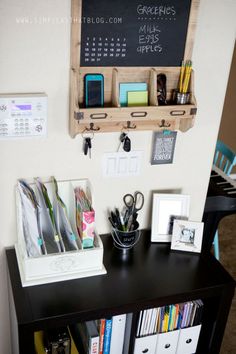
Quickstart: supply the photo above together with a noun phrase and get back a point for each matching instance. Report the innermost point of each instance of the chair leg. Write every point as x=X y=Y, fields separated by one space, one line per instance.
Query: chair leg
x=216 y=246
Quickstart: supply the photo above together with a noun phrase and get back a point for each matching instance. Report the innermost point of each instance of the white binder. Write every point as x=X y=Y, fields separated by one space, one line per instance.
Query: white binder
x=188 y=340
x=117 y=334
x=145 y=345
x=167 y=342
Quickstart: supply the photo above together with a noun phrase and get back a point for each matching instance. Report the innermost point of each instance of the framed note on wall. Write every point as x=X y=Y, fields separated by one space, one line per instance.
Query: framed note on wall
x=134 y=32
x=163 y=147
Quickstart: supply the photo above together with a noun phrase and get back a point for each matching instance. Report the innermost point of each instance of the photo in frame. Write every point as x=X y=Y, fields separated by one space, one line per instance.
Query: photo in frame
x=187 y=236
x=166 y=208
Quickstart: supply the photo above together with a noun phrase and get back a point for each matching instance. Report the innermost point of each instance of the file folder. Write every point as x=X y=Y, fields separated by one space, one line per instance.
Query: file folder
x=117 y=334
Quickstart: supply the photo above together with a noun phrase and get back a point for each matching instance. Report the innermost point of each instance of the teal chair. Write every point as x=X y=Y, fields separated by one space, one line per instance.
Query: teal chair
x=224 y=159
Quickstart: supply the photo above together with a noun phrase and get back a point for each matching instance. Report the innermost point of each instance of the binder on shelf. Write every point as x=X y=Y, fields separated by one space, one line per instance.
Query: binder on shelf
x=117 y=334
x=128 y=325
x=167 y=342
x=145 y=344
x=107 y=336
x=188 y=340
x=101 y=327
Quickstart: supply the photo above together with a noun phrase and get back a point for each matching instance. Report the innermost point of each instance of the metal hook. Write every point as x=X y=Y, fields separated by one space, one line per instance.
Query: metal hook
x=129 y=126
x=164 y=124
x=91 y=128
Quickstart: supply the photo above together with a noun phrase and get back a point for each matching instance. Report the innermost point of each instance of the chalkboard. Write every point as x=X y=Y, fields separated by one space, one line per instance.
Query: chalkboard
x=133 y=32
x=163 y=147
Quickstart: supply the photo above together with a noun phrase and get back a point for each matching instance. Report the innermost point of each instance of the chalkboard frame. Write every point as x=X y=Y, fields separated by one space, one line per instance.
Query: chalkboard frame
x=76 y=26
x=112 y=117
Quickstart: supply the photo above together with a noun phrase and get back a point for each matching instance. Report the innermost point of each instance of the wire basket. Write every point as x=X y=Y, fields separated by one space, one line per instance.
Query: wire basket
x=125 y=240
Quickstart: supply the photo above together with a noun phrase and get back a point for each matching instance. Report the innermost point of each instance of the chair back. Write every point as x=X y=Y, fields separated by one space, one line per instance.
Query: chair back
x=224 y=157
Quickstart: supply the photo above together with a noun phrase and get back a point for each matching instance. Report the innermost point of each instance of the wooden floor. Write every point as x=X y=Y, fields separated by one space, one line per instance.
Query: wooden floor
x=227 y=239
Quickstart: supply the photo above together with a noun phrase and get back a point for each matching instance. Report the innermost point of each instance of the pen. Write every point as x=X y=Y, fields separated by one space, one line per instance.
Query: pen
x=112 y=222
x=119 y=222
x=114 y=218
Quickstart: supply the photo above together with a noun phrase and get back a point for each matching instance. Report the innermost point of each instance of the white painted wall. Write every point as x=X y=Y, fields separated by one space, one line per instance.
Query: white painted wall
x=35 y=57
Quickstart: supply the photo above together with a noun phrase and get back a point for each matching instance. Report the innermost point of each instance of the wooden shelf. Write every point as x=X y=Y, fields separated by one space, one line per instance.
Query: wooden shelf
x=112 y=117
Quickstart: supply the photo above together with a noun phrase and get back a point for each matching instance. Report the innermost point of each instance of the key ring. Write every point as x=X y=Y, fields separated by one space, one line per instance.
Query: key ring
x=87 y=134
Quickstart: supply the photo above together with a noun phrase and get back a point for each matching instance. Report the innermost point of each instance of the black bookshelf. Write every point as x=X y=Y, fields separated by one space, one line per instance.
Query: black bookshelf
x=150 y=275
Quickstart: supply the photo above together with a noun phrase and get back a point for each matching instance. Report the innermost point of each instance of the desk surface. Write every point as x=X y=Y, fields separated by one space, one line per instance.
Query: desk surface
x=149 y=275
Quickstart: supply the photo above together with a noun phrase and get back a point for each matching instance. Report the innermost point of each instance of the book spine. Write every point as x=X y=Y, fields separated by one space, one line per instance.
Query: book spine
x=107 y=336
x=94 y=345
x=101 y=335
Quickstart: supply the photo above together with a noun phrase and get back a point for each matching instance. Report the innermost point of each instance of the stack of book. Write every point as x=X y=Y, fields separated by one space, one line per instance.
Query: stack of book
x=104 y=336
x=169 y=318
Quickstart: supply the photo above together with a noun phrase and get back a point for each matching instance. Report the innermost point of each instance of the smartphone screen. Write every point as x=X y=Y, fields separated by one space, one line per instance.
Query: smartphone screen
x=94 y=93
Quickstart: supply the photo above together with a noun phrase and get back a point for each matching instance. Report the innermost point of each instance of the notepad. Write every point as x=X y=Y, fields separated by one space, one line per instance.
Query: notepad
x=125 y=87
x=137 y=98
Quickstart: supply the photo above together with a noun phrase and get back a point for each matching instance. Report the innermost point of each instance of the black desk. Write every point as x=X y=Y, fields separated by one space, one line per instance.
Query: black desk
x=150 y=275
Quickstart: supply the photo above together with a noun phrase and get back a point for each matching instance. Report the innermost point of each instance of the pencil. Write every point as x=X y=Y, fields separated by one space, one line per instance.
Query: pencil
x=181 y=77
x=188 y=69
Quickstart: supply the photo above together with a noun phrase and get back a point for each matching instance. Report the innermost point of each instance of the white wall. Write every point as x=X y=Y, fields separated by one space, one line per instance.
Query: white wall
x=35 y=57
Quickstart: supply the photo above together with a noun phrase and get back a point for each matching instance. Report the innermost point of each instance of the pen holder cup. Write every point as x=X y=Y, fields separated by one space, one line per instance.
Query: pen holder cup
x=125 y=240
x=181 y=98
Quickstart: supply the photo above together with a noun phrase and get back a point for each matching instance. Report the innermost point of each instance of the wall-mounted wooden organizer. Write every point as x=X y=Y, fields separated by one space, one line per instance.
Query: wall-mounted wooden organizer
x=112 y=117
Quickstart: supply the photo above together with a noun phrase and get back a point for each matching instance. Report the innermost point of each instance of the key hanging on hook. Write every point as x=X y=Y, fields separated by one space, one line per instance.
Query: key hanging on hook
x=127 y=144
x=87 y=146
x=87 y=143
x=122 y=138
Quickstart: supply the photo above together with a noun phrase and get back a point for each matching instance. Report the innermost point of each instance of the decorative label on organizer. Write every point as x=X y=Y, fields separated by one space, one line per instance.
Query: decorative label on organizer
x=163 y=147
x=134 y=32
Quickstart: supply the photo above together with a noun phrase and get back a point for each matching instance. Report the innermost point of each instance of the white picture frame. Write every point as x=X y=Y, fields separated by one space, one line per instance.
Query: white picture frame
x=187 y=236
x=164 y=207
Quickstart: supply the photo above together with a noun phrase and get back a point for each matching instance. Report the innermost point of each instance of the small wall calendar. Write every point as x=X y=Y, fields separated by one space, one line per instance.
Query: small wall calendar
x=97 y=49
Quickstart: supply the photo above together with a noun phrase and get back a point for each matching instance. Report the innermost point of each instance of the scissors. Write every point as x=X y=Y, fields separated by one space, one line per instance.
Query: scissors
x=133 y=203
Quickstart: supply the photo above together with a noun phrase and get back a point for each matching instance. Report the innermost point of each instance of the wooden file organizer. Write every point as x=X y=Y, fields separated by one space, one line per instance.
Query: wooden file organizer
x=112 y=117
